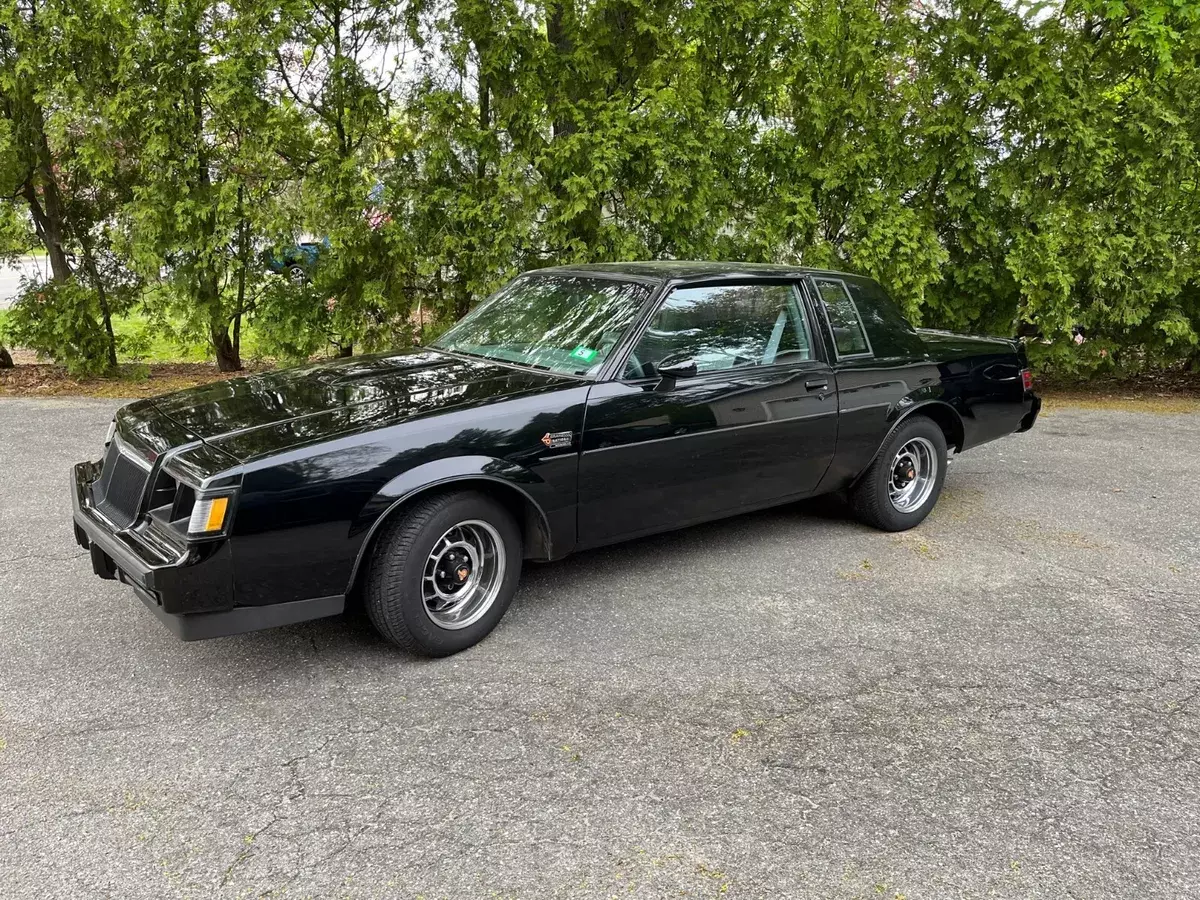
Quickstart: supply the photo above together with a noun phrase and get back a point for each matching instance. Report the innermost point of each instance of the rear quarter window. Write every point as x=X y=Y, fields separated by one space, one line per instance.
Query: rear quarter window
x=890 y=332
x=848 y=336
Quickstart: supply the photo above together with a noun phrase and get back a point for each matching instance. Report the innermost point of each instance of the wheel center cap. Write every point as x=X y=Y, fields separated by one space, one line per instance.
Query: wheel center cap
x=462 y=572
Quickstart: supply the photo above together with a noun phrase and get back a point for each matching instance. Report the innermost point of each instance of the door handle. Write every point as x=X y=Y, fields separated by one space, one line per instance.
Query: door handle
x=816 y=385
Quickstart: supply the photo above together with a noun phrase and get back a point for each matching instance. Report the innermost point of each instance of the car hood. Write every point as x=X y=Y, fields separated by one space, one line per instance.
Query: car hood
x=255 y=416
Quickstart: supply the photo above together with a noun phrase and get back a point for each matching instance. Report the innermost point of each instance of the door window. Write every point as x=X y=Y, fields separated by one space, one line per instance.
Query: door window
x=724 y=327
x=849 y=339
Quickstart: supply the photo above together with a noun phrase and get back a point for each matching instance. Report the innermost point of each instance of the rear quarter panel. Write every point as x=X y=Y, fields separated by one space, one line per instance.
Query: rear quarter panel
x=978 y=378
x=982 y=379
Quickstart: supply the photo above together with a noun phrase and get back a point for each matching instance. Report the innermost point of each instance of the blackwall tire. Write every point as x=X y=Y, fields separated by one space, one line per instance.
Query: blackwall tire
x=443 y=572
x=902 y=485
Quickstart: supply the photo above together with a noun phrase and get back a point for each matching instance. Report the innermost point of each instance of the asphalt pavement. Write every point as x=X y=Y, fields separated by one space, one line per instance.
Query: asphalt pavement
x=1001 y=703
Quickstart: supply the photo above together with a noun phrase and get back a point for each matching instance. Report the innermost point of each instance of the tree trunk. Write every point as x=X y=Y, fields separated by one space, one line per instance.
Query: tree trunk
x=6 y=361
x=208 y=283
x=89 y=262
x=485 y=122
x=462 y=298
x=47 y=209
x=560 y=15
x=345 y=350
x=561 y=19
x=49 y=232
x=243 y=267
x=106 y=315
x=228 y=357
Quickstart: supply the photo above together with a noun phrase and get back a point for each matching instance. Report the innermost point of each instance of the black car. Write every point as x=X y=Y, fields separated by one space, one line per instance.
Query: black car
x=578 y=406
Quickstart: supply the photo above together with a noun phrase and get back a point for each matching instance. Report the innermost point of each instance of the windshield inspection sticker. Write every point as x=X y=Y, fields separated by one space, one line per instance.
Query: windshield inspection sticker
x=587 y=354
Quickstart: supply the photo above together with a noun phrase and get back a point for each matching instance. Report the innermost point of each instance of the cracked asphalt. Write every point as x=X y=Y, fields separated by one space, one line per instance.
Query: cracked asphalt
x=1001 y=703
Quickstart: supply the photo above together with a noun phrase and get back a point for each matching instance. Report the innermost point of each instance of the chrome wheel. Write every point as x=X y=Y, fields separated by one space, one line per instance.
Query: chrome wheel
x=463 y=574
x=913 y=475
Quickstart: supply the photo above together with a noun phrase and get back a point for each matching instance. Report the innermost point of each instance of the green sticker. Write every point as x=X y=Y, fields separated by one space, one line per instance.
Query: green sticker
x=587 y=354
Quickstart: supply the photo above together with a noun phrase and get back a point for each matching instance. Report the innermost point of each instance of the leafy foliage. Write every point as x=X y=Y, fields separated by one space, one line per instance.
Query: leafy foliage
x=989 y=162
x=60 y=319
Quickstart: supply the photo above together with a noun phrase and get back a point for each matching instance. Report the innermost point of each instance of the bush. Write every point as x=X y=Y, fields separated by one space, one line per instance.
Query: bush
x=60 y=320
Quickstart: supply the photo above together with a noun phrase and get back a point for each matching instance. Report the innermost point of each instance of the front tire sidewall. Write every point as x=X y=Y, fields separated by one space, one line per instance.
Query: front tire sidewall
x=427 y=637
x=874 y=500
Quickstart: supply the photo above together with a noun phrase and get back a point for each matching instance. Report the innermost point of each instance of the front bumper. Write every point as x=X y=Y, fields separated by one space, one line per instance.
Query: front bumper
x=190 y=590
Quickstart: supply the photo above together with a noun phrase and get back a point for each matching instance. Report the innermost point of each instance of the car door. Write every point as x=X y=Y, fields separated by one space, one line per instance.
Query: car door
x=755 y=424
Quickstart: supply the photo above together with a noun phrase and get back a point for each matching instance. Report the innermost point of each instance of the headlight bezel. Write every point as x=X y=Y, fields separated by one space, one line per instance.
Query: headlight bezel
x=176 y=504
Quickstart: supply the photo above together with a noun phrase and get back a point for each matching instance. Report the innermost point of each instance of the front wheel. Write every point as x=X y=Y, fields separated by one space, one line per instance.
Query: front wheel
x=902 y=485
x=443 y=573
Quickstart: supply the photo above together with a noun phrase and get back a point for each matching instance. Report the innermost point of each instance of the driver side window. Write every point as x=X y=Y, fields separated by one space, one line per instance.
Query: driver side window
x=724 y=327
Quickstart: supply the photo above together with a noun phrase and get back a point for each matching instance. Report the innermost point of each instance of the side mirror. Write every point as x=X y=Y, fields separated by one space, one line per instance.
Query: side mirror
x=681 y=365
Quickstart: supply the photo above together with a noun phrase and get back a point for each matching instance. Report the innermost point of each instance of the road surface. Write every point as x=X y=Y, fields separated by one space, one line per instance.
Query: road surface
x=1001 y=704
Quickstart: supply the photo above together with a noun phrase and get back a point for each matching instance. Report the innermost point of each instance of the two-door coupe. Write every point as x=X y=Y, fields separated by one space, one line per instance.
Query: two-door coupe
x=576 y=407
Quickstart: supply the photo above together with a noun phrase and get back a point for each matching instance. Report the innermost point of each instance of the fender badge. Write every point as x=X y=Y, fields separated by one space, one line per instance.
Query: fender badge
x=555 y=440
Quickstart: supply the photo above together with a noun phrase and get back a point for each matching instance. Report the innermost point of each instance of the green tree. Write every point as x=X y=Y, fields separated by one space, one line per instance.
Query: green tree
x=195 y=100
x=336 y=78
x=58 y=60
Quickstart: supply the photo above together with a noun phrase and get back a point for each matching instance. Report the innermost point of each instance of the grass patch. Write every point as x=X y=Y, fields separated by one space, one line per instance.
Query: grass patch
x=1122 y=402
x=145 y=339
x=141 y=338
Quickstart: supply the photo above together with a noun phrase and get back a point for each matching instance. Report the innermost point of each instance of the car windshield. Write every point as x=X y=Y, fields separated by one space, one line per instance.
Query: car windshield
x=562 y=323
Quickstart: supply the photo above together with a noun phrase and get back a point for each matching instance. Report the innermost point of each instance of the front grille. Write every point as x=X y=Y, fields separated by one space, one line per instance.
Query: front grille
x=117 y=493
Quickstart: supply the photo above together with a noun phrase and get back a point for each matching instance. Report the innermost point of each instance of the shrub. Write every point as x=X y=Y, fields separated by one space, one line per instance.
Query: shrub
x=60 y=320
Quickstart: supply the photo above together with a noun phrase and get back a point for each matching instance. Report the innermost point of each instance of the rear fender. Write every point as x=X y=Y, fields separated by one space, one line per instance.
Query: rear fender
x=945 y=415
x=484 y=471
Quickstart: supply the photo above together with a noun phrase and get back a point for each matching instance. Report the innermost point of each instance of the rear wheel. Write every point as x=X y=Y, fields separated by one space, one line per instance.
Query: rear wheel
x=903 y=483
x=443 y=573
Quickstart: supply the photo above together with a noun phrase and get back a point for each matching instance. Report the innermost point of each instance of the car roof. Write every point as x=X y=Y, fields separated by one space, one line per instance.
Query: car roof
x=687 y=270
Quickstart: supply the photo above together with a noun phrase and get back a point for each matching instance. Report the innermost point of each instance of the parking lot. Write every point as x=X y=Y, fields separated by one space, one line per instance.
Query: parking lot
x=1001 y=703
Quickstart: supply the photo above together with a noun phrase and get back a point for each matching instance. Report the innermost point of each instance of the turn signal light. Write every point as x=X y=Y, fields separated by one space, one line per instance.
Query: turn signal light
x=208 y=516
x=1027 y=379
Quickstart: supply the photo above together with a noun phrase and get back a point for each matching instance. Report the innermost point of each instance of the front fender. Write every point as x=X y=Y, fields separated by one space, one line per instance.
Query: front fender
x=444 y=472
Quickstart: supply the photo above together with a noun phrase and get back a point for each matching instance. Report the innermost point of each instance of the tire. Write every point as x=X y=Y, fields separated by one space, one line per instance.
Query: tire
x=404 y=593
x=296 y=274
x=871 y=497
